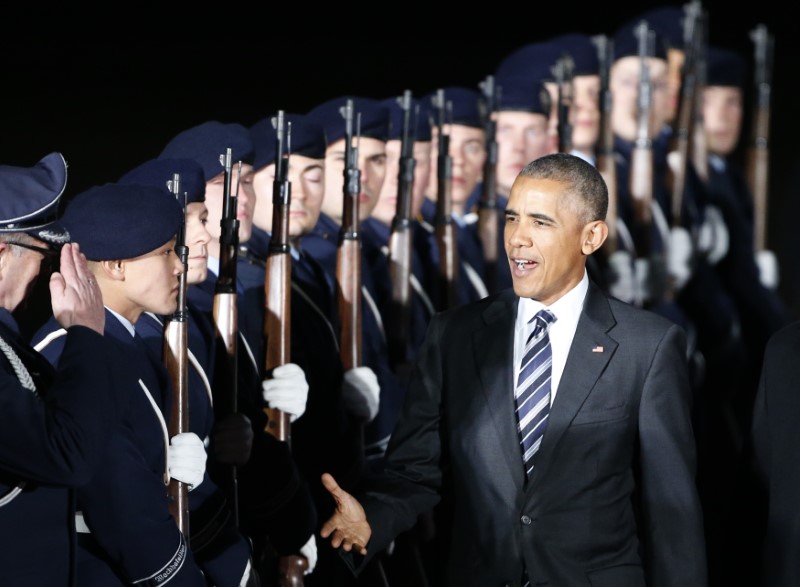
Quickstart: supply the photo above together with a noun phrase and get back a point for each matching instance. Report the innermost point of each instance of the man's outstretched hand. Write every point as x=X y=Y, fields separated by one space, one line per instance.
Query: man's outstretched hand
x=348 y=526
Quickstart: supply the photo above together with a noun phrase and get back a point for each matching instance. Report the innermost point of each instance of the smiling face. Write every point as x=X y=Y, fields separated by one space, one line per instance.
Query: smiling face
x=547 y=238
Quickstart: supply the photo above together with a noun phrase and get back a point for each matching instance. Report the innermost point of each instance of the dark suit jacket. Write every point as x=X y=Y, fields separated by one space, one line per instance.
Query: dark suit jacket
x=613 y=498
x=776 y=436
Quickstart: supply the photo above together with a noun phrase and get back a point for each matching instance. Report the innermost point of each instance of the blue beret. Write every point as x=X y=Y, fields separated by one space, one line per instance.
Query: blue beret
x=522 y=94
x=582 y=50
x=374 y=118
x=116 y=221
x=206 y=142
x=307 y=139
x=29 y=198
x=420 y=125
x=534 y=60
x=667 y=21
x=157 y=172
x=466 y=106
x=725 y=67
x=626 y=43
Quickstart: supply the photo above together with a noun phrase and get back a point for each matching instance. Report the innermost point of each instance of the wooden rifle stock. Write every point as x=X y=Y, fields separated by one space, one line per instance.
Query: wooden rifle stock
x=444 y=224
x=400 y=241
x=563 y=73
x=225 y=312
x=685 y=126
x=641 y=172
x=176 y=360
x=488 y=220
x=348 y=255
x=757 y=169
x=606 y=163
x=699 y=142
x=278 y=284
x=277 y=319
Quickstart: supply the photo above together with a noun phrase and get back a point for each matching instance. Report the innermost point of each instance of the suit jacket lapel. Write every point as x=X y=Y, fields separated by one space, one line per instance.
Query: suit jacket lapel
x=493 y=352
x=583 y=368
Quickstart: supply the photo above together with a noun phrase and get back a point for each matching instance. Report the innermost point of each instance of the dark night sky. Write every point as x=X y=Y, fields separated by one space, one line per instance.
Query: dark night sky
x=109 y=99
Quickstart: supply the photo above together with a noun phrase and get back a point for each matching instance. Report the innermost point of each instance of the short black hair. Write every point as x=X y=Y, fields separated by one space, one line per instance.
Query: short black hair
x=585 y=183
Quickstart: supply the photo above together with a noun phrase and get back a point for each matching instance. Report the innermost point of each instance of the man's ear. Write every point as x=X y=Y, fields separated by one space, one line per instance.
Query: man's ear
x=113 y=270
x=5 y=251
x=594 y=235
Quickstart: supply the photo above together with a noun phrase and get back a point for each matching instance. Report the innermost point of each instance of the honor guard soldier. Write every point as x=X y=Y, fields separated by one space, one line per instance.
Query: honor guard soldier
x=376 y=382
x=275 y=507
x=467 y=149
x=55 y=423
x=221 y=551
x=126 y=534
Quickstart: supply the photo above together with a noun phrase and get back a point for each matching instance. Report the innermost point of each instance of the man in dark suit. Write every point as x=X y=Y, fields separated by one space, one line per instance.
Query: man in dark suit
x=772 y=531
x=607 y=495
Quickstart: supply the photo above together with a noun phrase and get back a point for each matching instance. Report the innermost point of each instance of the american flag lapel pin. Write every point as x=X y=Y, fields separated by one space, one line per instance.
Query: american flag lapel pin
x=597 y=349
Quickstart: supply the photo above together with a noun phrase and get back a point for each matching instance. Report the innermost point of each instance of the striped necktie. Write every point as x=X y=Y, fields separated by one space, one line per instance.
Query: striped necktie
x=532 y=394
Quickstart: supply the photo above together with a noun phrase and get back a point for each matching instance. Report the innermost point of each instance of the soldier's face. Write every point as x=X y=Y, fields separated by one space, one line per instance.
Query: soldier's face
x=197 y=239
x=245 y=204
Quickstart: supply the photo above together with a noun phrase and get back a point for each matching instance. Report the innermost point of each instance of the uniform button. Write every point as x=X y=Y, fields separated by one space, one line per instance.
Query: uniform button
x=525 y=520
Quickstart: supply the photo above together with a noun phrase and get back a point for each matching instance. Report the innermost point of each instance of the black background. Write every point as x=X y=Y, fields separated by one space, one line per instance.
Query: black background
x=109 y=89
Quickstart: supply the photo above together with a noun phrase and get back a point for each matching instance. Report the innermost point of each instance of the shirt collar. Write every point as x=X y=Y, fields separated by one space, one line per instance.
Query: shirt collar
x=213 y=265
x=124 y=321
x=566 y=309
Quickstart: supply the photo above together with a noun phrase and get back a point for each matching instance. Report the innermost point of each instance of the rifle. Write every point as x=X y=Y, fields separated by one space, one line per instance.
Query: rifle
x=278 y=283
x=563 y=73
x=176 y=360
x=444 y=224
x=758 y=151
x=400 y=241
x=699 y=142
x=277 y=319
x=226 y=316
x=348 y=254
x=688 y=103
x=606 y=164
x=641 y=180
x=488 y=212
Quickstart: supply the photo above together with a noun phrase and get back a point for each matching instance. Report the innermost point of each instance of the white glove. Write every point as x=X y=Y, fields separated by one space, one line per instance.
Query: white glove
x=768 y=269
x=287 y=390
x=186 y=458
x=623 y=286
x=309 y=550
x=713 y=237
x=246 y=576
x=679 y=255
x=361 y=393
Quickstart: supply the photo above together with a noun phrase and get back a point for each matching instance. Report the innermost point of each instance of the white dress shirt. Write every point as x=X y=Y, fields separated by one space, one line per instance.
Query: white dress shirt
x=567 y=311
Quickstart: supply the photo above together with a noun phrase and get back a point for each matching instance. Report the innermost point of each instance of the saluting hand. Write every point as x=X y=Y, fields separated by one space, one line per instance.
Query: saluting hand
x=75 y=296
x=348 y=526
